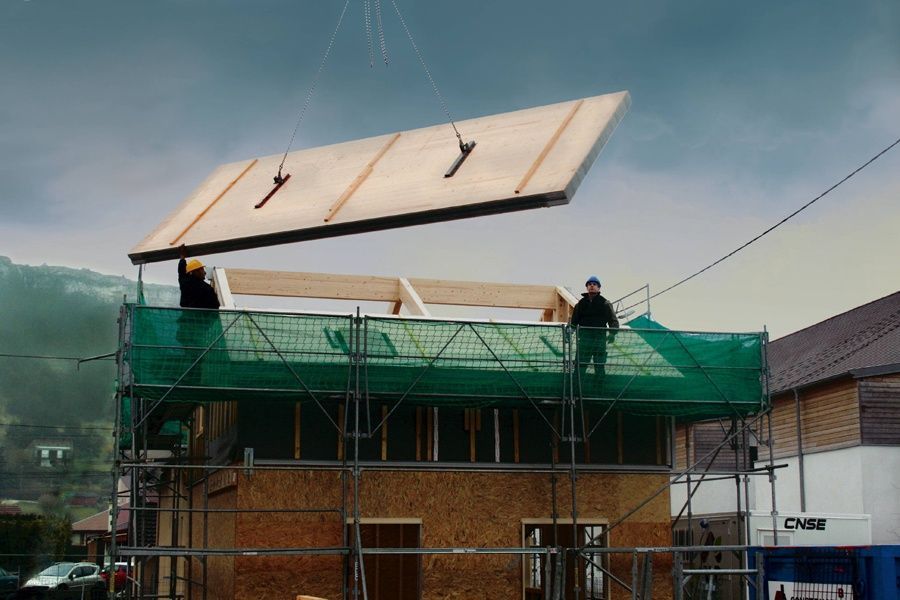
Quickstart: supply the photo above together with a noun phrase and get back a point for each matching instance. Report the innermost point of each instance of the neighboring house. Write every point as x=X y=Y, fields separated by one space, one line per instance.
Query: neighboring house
x=835 y=390
x=52 y=453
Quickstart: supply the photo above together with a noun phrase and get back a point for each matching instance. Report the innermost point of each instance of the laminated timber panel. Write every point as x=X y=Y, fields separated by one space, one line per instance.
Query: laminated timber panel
x=829 y=415
x=525 y=159
x=456 y=509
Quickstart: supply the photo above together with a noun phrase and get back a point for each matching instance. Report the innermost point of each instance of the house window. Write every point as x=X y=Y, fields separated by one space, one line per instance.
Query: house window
x=535 y=571
x=389 y=576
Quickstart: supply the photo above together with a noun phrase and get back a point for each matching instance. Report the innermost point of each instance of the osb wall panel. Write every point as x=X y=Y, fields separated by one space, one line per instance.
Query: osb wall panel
x=456 y=509
x=288 y=576
x=829 y=416
x=220 y=532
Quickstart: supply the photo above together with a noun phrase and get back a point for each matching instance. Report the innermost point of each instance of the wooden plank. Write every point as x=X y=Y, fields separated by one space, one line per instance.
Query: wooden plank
x=418 y=433
x=260 y=282
x=406 y=187
x=548 y=147
x=223 y=290
x=473 y=429
x=515 y=414
x=359 y=179
x=340 y=437
x=256 y=282
x=429 y=434
x=411 y=300
x=384 y=431
x=297 y=430
x=203 y=212
x=476 y=293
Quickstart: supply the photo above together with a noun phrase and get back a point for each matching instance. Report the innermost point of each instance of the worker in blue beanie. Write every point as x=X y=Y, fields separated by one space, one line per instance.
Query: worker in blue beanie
x=595 y=321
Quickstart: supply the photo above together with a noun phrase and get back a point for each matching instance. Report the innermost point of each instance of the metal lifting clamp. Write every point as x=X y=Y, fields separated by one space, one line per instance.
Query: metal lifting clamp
x=465 y=149
x=279 y=181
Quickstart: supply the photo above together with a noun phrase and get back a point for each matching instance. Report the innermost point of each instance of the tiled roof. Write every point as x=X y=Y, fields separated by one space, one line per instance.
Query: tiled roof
x=100 y=522
x=866 y=336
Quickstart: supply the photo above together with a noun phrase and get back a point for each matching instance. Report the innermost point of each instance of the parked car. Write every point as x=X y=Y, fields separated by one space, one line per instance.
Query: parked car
x=8 y=582
x=63 y=576
x=121 y=570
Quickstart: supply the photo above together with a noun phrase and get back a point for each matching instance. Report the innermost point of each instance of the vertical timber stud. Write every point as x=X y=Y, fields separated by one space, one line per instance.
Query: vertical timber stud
x=342 y=434
x=384 y=432
x=296 y=430
x=515 y=415
x=418 y=433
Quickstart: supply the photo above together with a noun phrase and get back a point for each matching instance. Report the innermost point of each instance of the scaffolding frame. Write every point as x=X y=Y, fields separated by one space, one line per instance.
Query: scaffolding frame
x=138 y=464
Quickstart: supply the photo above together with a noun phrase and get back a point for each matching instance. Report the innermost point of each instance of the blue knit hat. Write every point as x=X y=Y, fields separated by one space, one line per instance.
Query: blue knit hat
x=593 y=279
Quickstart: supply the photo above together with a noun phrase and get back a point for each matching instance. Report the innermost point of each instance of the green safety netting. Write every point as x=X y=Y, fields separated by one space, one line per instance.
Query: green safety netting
x=169 y=428
x=201 y=356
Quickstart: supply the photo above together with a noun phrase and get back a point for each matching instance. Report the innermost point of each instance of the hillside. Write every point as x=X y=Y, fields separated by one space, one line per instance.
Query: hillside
x=51 y=311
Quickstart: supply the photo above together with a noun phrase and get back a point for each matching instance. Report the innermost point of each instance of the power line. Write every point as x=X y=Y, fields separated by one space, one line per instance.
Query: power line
x=50 y=357
x=776 y=225
x=31 y=426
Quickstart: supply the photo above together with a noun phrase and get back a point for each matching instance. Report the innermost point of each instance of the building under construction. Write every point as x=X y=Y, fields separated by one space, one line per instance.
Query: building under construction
x=279 y=454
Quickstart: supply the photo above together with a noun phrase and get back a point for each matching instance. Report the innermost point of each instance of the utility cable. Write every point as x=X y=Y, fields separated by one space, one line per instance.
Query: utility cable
x=312 y=88
x=428 y=73
x=48 y=357
x=30 y=426
x=773 y=227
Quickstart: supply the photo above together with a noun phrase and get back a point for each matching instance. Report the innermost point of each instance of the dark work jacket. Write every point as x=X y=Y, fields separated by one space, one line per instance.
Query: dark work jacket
x=195 y=293
x=594 y=312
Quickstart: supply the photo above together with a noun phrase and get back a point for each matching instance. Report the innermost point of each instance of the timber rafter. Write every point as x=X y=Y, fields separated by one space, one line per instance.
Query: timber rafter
x=555 y=303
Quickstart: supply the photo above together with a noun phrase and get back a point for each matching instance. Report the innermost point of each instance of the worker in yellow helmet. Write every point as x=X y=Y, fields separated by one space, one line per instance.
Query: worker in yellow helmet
x=195 y=292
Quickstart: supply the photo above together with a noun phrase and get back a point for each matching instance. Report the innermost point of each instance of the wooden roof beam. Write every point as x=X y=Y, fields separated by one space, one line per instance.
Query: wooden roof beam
x=414 y=293
x=258 y=282
x=474 y=293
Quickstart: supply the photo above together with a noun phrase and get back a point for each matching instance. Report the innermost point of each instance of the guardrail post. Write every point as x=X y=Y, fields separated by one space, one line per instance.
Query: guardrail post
x=760 y=576
x=678 y=577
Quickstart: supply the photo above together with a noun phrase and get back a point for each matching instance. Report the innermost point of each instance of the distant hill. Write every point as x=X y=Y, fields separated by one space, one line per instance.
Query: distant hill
x=60 y=312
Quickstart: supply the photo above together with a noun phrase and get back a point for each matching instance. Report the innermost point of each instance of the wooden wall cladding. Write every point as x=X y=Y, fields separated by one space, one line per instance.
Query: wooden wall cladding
x=456 y=509
x=879 y=405
x=829 y=414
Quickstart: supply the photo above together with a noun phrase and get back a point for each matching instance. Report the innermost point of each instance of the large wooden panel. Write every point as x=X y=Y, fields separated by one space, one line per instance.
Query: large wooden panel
x=525 y=159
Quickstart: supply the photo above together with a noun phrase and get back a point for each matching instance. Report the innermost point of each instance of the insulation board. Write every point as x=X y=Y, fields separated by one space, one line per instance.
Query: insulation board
x=525 y=159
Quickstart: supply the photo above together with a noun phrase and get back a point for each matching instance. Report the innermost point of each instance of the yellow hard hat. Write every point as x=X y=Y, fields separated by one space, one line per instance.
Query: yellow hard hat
x=193 y=265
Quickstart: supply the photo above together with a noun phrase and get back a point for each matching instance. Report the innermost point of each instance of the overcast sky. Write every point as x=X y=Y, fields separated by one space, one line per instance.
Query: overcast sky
x=111 y=112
